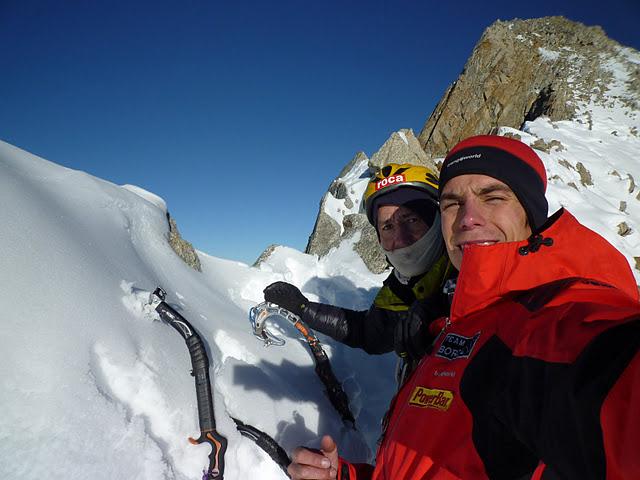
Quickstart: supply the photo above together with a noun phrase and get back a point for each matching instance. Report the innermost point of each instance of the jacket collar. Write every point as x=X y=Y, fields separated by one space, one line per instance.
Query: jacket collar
x=563 y=248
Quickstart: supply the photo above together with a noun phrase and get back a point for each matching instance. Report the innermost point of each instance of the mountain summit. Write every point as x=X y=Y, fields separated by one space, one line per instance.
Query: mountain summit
x=564 y=88
x=524 y=69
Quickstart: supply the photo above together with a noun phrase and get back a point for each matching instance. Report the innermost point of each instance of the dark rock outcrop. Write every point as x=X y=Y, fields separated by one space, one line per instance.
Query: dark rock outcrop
x=182 y=248
x=264 y=256
x=327 y=232
x=518 y=71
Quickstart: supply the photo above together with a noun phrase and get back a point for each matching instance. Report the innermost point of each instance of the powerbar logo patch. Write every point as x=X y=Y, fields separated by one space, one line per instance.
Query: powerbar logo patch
x=457 y=346
x=431 y=398
x=385 y=182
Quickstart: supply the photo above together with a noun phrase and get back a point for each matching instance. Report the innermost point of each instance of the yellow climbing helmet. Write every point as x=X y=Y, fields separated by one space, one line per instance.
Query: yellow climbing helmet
x=394 y=176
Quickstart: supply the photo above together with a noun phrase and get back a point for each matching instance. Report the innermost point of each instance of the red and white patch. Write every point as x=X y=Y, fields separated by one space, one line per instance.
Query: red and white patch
x=394 y=179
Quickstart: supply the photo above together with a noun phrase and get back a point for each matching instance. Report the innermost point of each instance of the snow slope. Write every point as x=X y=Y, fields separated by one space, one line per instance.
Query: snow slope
x=593 y=163
x=94 y=387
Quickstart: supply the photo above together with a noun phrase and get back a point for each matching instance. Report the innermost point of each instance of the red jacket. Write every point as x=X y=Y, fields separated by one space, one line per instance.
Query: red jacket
x=537 y=365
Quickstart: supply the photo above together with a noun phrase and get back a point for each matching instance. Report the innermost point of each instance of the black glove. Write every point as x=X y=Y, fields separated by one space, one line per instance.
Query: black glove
x=411 y=336
x=286 y=296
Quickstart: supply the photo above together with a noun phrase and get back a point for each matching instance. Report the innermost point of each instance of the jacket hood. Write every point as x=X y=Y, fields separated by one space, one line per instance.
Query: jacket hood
x=563 y=248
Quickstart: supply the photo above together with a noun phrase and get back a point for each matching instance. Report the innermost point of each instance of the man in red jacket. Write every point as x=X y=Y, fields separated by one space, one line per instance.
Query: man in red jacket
x=536 y=373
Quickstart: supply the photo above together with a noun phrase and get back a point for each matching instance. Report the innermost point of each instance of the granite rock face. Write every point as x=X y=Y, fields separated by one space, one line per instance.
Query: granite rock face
x=401 y=147
x=520 y=70
x=182 y=248
x=264 y=256
x=326 y=233
x=367 y=245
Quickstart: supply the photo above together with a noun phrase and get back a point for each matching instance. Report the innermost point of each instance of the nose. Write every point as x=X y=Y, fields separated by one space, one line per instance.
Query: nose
x=470 y=215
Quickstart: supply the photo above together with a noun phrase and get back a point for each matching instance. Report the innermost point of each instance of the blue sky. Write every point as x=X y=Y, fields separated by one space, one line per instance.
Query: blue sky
x=240 y=114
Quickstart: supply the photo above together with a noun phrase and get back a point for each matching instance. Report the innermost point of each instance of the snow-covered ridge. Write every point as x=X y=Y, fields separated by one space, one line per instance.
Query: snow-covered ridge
x=593 y=174
x=593 y=169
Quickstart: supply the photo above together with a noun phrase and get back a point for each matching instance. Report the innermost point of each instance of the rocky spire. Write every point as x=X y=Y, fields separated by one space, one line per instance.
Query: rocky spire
x=520 y=70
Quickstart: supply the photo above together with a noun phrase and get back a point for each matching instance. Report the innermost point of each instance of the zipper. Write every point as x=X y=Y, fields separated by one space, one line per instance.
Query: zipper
x=387 y=417
x=447 y=324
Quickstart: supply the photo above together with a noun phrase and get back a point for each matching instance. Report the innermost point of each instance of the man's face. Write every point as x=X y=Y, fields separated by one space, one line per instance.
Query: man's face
x=480 y=210
x=399 y=227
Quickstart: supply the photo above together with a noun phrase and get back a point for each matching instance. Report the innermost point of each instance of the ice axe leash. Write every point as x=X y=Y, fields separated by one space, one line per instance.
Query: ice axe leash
x=206 y=417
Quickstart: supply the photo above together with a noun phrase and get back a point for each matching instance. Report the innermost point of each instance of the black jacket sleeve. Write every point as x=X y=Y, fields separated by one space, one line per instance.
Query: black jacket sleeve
x=370 y=330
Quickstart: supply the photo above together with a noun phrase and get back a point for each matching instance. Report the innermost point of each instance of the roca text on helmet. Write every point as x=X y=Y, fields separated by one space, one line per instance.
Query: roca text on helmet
x=396 y=176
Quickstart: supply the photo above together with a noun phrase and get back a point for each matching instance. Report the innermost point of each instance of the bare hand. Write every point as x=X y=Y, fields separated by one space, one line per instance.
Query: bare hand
x=315 y=465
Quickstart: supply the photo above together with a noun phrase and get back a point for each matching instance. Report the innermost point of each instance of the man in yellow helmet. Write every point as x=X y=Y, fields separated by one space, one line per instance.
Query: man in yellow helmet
x=401 y=203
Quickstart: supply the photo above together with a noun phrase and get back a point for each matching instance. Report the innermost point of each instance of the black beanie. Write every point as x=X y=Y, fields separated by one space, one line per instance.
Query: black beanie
x=507 y=160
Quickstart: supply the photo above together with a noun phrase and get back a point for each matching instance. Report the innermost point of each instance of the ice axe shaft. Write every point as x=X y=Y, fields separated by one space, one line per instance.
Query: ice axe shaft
x=200 y=372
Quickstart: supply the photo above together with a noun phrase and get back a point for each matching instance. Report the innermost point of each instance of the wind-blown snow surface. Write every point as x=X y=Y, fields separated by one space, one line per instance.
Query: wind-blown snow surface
x=93 y=386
